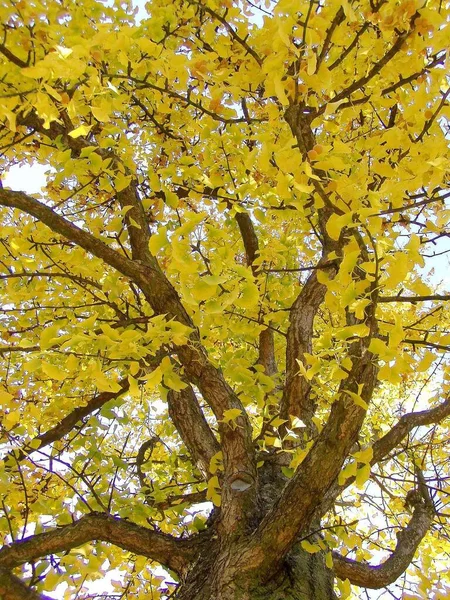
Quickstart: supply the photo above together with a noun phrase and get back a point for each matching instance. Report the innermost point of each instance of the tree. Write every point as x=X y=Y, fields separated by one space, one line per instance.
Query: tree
x=229 y=291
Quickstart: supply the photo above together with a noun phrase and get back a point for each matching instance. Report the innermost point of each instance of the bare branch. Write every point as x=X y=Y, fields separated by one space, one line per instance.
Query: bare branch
x=405 y=425
x=379 y=576
x=176 y=554
x=413 y=299
x=188 y=418
x=296 y=400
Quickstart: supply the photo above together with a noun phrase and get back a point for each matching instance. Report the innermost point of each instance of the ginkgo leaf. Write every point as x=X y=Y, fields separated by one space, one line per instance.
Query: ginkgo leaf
x=5 y=397
x=158 y=241
x=202 y=290
x=104 y=384
x=310 y=548
x=280 y=91
x=336 y=223
x=249 y=297
x=100 y=113
x=213 y=491
x=377 y=346
x=345 y=588
x=364 y=456
x=362 y=475
x=80 y=131
x=230 y=415
x=53 y=371
x=216 y=463
x=173 y=381
x=121 y=182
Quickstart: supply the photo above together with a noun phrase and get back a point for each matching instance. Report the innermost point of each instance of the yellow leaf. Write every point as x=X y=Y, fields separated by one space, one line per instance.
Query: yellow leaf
x=153 y=379
x=72 y=363
x=104 y=384
x=311 y=64
x=101 y=114
x=362 y=475
x=303 y=187
x=158 y=241
x=121 y=182
x=134 y=224
x=277 y=422
x=81 y=130
x=229 y=416
x=357 y=399
x=171 y=199
x=249 y=297
x=49 y=336
x=398 y=270
x=377 y=346
x=88 y=324
x=202 y=290
x=173 y=381
x=364 y=456
x=280 y=91
x=213 y=491
x=5 y=397
x=349 y=470
x=426 y=362
x=348 y=11
x=53 y=371
x=310 y=548
x=134 y=386
x=336 y=224
x=216 y=463
x=345 y=588
x=63 y=52
x=11 y=419
x=296 y=423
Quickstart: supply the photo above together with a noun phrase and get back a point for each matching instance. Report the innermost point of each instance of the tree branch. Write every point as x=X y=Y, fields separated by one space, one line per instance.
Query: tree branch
x=266 y=356
x=12 y=588
x=302 y=495
x=72 y=232
x=66 y=424
x=405 y=425
x=237 y=444
x=174 y=553
x=413 y=299
x=234 y=35
x=376 y=67
x=296 y=399
x=12 y=57
x=193 y=428
x=379 y=576
x=382 y=447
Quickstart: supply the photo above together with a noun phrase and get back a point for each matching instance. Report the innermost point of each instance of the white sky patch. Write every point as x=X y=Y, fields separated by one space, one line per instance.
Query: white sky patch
x=26 y=178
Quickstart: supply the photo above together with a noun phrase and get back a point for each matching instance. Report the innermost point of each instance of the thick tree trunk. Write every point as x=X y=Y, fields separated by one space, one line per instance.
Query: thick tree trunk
x=303 y=576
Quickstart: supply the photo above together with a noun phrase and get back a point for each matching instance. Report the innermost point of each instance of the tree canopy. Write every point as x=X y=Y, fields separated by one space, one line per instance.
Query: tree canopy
x=229 y=291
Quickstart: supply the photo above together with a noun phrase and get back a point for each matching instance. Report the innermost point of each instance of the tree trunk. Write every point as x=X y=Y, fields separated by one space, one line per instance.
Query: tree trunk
x=303 y=576
x=221 y=572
